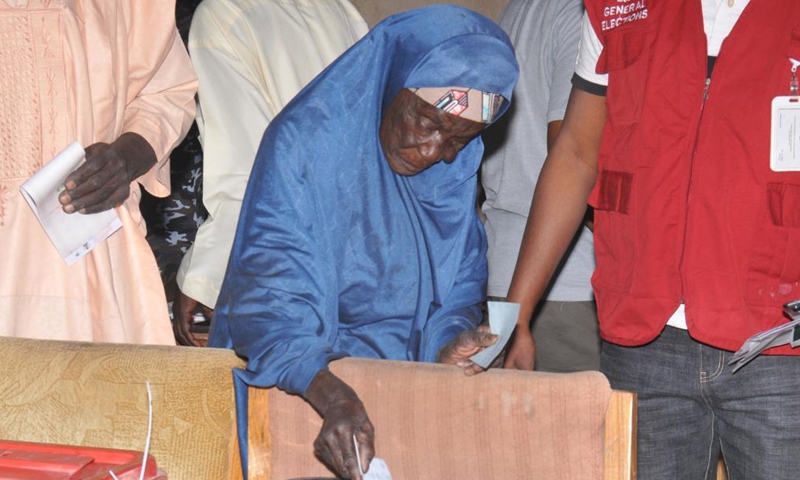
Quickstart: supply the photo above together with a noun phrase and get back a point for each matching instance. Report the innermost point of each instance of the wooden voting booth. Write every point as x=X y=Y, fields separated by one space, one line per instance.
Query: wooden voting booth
x=434 y=423
x=431 y=421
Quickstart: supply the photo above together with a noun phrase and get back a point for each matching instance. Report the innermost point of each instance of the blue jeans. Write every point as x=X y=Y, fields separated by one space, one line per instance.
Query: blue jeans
x=692 y=407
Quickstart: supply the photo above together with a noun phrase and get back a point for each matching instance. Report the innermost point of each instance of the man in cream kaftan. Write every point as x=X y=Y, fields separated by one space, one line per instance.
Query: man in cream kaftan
x=252 y=57
x=86 y=71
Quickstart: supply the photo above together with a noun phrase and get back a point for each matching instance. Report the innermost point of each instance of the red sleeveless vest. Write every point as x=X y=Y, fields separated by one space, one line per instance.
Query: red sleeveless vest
x=686 y=206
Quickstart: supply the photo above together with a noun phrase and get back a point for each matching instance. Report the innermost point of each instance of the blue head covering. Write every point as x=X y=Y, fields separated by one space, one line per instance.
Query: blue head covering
x=335 y=254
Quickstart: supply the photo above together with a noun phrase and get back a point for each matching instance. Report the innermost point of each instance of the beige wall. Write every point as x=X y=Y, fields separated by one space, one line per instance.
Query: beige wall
x=376 y=10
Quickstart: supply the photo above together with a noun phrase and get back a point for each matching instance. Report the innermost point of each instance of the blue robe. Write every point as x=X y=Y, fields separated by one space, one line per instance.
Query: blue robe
x=335 y=254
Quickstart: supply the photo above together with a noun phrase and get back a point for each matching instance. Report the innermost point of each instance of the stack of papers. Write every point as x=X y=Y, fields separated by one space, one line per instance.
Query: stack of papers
x=76 y=234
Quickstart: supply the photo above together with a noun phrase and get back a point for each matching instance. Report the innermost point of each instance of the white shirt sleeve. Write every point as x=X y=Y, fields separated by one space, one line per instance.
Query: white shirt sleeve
x=718 y=21
x=589 y=50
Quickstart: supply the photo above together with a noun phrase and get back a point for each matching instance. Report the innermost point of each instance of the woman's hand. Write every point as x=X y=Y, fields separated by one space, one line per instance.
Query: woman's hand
x=465 y=345
x=343 y=416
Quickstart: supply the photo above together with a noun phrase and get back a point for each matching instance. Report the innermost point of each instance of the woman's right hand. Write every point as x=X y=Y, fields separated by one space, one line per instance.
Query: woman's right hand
x=344 y=417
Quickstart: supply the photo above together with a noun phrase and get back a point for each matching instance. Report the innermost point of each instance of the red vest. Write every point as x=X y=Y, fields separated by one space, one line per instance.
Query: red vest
x=686 y=206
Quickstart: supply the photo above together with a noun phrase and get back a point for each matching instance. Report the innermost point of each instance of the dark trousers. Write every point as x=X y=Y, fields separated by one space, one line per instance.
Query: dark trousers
x=691 y=407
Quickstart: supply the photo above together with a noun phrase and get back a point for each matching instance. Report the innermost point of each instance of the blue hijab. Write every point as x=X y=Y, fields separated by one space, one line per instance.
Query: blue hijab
x=335 y=254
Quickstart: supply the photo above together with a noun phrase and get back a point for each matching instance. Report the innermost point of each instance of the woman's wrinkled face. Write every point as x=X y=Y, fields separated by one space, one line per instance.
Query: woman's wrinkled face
x=414 y=134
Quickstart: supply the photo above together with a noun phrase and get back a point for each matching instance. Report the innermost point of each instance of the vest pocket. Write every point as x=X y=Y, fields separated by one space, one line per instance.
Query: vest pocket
x=784 y=211
x=774 y=273
x=783 y=201
x=625 y=58
x=614 y=191
x=614 y=243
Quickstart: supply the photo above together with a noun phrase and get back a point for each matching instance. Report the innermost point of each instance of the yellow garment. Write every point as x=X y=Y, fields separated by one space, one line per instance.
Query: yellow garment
x=86 y=70
x=252 y=57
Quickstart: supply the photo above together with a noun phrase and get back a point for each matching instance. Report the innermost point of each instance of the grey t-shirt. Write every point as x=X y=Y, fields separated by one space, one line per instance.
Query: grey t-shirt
x=545 y=34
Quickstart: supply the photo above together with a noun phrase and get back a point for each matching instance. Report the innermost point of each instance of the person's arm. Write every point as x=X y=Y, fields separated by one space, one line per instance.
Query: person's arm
x=452 y=334
x=232 y=116
x=521 y=350
x=343 y=416
x=279 y=303
x=552 y=132
x=559 y=202
x=159 y=110
x=560 y=53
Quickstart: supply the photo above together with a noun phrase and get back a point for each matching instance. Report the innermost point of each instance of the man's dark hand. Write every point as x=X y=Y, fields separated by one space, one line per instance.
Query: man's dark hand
x=343 y=417
x=522 y=350
x=103 y=181
x=183 y=308
x=465 y=345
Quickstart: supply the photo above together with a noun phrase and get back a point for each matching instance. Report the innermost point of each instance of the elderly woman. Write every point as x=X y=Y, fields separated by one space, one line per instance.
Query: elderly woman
x=358 y=233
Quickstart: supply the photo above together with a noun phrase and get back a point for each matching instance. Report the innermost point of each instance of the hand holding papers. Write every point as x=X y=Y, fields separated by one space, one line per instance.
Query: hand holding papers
x=775 y=337
x=502 y=321
x=378 y=470
x=73 y=235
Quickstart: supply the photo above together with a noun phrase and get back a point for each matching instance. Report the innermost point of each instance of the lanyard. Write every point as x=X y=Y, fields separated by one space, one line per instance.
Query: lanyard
x=793 y=81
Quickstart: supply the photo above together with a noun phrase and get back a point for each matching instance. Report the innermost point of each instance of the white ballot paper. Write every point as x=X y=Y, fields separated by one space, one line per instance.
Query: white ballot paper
x=74 y=235
x=502 y=320
x=378 y=470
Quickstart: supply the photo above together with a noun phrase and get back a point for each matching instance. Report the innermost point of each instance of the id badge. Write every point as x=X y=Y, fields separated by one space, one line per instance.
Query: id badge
x=785 y=134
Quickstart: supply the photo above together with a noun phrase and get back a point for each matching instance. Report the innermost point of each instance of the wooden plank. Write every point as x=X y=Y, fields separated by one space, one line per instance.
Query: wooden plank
x=620 y=438
x=235 y=462
x=260 y=444
x=259 y=450
x=722 y=471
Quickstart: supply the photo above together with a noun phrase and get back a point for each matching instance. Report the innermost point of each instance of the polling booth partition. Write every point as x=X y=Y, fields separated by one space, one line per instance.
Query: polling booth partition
x=432 y=422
